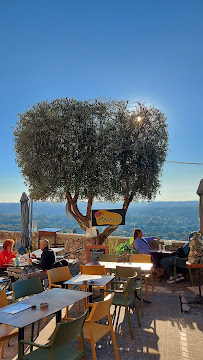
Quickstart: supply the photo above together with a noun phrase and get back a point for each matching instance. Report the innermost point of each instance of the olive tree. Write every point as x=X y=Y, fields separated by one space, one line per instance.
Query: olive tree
x=91 y=149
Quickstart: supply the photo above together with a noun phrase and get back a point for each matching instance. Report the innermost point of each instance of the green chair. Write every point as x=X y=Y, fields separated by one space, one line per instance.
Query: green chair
x=126 y=298
x=123 y=273
x=184 y=266
x=109 y=257
x=56 y=348
x=27 y=288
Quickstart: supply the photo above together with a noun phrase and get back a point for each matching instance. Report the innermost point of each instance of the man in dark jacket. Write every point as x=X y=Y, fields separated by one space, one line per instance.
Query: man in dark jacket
x=48 y=256
x=168 y=262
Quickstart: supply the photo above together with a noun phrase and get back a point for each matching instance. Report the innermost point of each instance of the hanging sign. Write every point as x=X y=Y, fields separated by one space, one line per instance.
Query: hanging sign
x=108 y=217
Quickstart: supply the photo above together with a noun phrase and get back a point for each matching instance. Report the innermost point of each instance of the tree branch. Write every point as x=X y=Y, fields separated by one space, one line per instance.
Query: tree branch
x=77 y=216
x=89 y=205
x=74 y=208
x=106 y=233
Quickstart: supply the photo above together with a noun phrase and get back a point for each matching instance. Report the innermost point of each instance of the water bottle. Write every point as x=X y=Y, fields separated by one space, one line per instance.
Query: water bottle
x=17 y=260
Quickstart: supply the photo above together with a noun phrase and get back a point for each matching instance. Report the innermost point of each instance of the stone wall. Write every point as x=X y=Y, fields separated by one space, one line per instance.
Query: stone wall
x=71 y=242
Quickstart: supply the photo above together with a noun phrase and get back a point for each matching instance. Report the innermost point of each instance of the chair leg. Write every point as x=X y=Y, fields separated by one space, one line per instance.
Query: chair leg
x=175 y=273
x=137 y=314
x=146 y=292
x=129 y=323
x=2 y=349
x=38 y=327
x=81 y=346
x=113 y=338
x=141 y=300
x=152 y=282
x=190 y=271
x=92 y=345
x=32 y=335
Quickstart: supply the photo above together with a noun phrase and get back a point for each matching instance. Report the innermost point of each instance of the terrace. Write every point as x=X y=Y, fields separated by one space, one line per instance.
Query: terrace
x=171 y=327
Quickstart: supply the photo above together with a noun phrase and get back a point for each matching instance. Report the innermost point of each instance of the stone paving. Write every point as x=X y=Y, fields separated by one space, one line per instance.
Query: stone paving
x=166 y=332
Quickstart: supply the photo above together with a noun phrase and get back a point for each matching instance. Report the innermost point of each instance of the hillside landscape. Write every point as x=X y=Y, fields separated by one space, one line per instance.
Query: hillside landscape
x=169 y=220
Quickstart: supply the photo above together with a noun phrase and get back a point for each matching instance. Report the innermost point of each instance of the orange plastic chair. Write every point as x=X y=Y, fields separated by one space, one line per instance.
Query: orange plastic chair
x=93 y=331
x=92 y=270
x=6 y=331
x=143 y=258
x=59 y=274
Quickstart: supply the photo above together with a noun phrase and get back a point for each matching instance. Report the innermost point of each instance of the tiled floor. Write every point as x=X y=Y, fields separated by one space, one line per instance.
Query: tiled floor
x=166 y=333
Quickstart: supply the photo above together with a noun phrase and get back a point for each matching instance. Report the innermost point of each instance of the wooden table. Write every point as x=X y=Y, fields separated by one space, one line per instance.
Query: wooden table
x=57 y=299
x=198 y=267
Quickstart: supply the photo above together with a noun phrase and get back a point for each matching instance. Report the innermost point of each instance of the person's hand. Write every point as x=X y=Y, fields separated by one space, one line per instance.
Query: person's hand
x=15 y=252
x=30 y=261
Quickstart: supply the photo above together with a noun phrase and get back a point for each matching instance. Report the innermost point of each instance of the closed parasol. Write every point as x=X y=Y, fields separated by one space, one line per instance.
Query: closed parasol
x=25 y=220
x=200 y=193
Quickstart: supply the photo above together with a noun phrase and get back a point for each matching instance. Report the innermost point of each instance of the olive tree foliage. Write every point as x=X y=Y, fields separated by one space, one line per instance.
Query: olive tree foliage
x=91 y=149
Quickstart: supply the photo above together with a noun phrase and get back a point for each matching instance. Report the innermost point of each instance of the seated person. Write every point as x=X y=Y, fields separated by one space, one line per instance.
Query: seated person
x=141 y=243
x=168 y=262
x=7 y=254
x=48 y=256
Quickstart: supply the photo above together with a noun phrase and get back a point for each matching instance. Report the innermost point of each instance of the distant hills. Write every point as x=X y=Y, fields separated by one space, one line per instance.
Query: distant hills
x=170 y=220
x=48 y=208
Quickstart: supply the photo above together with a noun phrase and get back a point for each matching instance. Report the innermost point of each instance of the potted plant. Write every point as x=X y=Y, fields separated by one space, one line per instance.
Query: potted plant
x=125 y=249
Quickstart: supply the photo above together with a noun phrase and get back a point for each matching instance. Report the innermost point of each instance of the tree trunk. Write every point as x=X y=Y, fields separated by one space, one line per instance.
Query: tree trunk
x=85 y=220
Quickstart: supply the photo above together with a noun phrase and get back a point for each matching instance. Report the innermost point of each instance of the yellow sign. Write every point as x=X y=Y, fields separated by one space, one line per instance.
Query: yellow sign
x=105 y=217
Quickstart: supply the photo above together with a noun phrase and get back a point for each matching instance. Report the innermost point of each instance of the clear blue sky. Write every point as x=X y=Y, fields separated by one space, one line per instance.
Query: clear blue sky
x=141 y=50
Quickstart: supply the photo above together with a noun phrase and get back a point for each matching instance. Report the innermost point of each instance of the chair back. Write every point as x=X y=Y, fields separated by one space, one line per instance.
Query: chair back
x=140 y=258
x=109 y=257
x=125 y=271
x=67 y=331
x=92 y=270
x=130 y=285
x=3 y=298
x=58 y=274
x=26 y=288
x=101 y=309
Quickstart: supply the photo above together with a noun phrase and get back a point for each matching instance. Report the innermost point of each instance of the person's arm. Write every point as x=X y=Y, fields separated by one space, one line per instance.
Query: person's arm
x=148 y=239
x=2 y=258
x=12 y=255
x=43 y=261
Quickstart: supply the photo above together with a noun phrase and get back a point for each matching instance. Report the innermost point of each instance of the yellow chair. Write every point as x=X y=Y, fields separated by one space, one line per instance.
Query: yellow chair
x=94 y=331
x=59 y=274
x=6 y=331
x=92 y=270
x=143 y=258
